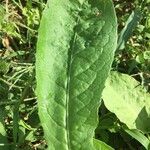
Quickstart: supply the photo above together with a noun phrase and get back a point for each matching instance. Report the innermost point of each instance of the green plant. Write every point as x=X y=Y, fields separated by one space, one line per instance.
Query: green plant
x=74 y=54
x=128 y=83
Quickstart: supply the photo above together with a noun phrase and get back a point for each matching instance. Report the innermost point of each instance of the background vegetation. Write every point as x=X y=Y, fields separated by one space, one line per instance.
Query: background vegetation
x=19 y=21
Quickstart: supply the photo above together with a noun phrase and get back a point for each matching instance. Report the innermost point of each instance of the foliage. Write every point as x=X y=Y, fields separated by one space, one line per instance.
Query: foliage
x=20 y=127
x=73 y=57
x=131 y=98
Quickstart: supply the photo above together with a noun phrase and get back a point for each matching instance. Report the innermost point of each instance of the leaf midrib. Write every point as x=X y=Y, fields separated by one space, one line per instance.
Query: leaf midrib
x=70 y=54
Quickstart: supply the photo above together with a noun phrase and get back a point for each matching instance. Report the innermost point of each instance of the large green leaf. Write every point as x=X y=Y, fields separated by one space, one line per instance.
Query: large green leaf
x=125 y=97
x=75 y=50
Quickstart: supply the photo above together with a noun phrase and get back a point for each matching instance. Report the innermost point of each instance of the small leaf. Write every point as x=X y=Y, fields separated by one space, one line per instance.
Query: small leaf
x=4 y=66
x=140 y=58
x=3 y=135
x=130 y=25
x=147 y=55
x=108 y=121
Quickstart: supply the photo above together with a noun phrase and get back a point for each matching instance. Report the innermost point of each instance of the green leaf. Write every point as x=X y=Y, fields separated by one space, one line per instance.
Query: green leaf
x=3 y=135
x=139 y=136
x=130 y=25
x=99 y=145
x=75 y=50
x=108 y=121
x=147 y=55
x=4 y=66
x=125 y=97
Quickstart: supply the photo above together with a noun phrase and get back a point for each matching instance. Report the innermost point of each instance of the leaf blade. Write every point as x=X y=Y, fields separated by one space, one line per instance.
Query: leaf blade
x=139 y=137
x=125 y=97
x=126 y=32
x=67 y=74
